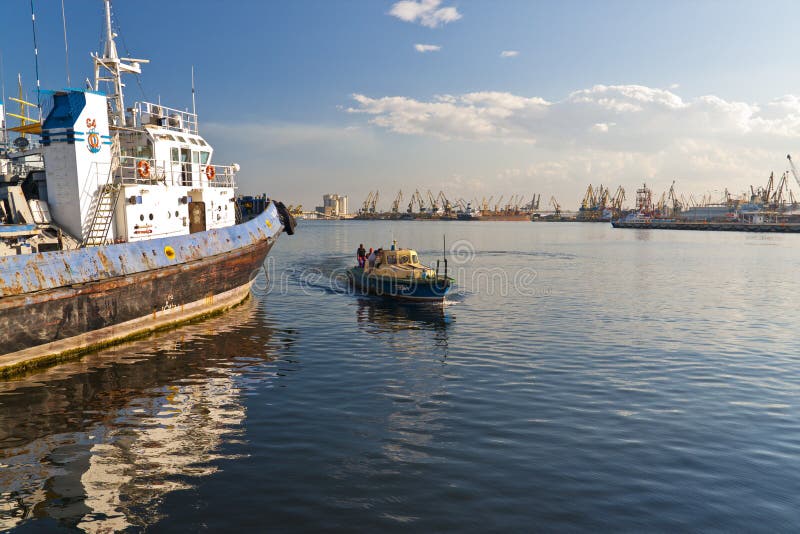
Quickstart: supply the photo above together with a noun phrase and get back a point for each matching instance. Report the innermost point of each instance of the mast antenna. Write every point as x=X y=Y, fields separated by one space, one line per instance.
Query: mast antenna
x=36 y=57
x=194 y=104
x=3 y=102
x=66 y=43
x=115 y=67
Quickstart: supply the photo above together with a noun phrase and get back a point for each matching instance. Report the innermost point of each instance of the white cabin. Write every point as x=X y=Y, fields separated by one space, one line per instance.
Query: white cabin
x=117 y=174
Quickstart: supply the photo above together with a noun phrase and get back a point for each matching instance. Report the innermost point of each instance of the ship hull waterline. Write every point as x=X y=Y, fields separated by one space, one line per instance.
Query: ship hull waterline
x=44 y=327
x=433 y=290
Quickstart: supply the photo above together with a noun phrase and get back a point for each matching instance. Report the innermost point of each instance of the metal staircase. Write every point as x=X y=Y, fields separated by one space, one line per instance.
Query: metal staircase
x=106 y=203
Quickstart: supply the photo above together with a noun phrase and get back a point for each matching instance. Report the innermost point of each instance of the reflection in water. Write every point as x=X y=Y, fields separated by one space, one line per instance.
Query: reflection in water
x=417 y=333
x=110 y=435
x=390 y=315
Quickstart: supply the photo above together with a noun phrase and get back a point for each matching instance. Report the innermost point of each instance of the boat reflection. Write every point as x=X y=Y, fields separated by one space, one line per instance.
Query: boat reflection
x=97 y=444
x=386 y=315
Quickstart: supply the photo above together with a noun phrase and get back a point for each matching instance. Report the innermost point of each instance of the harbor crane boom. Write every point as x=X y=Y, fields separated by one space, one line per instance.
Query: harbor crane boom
x=794 y=170
x=396 y=203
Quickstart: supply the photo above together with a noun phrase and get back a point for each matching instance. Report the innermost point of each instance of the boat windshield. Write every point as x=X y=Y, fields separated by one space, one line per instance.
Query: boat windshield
x=403 y=259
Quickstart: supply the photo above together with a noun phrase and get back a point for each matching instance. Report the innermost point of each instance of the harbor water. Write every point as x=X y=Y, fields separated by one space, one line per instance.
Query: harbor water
x=580 y=378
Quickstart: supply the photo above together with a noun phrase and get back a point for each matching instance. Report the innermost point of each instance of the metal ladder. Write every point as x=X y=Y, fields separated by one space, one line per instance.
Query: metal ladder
x=106 y=203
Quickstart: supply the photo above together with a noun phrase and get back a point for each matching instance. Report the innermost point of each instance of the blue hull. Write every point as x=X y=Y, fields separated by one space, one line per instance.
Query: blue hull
x=398 y=288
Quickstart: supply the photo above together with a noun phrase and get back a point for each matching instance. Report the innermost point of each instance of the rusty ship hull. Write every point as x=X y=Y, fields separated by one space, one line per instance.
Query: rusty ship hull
x=57 y=304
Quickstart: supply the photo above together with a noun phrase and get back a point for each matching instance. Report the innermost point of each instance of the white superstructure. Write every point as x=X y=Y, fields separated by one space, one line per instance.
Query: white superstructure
x=121 y=174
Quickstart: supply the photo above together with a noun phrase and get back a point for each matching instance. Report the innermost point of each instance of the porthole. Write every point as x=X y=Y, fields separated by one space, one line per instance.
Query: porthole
x=151 y=216
x=169 y=215
x=141 y=217
x=176 y=213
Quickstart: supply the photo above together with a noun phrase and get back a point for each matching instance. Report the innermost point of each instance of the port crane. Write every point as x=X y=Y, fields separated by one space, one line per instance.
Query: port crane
x=446 y=205
x=534 y=204
x=433 y=203
x=396 y=203
x=617 y=200
x=369 y=203
x=556 y=206
x=794 y=170
x=676 y=206
x=416 y=197
x=497 y=206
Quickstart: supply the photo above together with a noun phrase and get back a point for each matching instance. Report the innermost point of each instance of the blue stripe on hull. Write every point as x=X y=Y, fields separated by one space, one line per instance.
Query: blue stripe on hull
x=430 y=290
x=29 y=273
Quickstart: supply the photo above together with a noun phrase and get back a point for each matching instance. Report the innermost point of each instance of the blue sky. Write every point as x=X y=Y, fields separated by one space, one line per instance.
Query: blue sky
x=276 y=81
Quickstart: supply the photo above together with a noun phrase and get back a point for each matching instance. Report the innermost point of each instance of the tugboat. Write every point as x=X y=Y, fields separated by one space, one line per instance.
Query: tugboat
x=398 y=274
x=121 y=222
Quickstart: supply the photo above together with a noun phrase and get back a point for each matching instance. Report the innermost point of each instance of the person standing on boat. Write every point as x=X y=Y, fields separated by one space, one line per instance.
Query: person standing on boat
x=361 y=254
x=371 y=258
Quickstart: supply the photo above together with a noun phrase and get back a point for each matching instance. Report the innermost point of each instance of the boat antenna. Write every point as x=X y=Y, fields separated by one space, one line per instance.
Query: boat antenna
x=36 y=56
x=115 y=67
x=66 y=43
x=3 y=102
x=194 y=104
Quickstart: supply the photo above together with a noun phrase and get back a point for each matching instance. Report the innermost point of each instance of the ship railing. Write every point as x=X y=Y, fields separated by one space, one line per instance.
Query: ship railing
x=224 y=175
x=170 y=118
x=136 y=170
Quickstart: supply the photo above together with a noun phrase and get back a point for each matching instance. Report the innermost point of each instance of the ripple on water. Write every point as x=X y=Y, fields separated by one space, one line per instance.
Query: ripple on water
x=641 y=385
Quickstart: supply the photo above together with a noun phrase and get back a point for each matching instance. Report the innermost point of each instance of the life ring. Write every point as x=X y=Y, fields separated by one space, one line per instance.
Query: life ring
x=143 y=168
x=211 y=172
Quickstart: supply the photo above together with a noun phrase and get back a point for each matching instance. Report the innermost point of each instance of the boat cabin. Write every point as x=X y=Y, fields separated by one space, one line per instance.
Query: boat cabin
x=401 y=263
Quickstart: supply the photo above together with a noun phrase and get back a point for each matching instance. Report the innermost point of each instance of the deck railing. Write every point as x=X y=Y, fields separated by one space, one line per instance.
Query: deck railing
x=133 y=170
x=170 y=118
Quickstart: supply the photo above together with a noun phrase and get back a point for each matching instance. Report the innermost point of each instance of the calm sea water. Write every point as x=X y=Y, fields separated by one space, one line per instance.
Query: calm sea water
x=582 y=379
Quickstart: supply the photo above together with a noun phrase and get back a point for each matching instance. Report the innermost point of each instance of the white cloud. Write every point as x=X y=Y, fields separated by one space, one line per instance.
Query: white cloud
x=423 y=48
x=425 y=12
x=610 y=134
x=509 y=53
x=601 y=127
x=639 y=115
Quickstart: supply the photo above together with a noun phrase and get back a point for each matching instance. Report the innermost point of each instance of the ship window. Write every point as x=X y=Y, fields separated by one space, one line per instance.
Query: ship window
x=204 y=157
x=403 y=259
x=414 y=258
x=391 y=260
x=141 y=217
x=176 y=213
x=181 y=139
x=195 y=156
x=201 y=142
x=194 y=141
x=176 y=155
x=144 y=151
x=151 y=216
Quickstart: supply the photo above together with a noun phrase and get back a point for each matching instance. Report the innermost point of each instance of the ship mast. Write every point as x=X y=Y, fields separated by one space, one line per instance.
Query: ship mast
x=114 y=67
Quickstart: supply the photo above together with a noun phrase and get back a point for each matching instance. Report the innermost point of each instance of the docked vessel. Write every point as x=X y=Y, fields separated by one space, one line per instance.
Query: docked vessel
x=398 y=274
x=469 y=213
x=119 y=223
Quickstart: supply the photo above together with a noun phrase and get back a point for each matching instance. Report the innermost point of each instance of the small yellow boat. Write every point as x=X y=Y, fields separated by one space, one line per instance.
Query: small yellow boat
x=397 y=273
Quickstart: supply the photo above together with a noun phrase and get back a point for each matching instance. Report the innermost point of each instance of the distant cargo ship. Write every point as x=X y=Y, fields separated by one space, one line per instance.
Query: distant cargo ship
x=118 y=224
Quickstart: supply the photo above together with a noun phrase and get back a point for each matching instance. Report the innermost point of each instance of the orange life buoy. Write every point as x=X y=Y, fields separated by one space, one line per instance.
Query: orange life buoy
x=143 y=168
x=211 y=172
